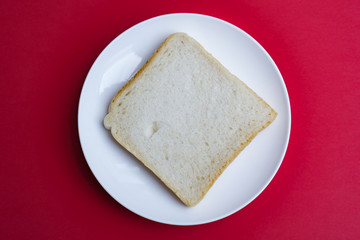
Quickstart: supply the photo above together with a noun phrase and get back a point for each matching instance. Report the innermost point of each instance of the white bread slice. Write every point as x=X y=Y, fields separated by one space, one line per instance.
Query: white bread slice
x=186 y=117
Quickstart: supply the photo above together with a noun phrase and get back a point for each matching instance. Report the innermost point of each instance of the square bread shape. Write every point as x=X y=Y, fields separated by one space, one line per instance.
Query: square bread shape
x=186 y=117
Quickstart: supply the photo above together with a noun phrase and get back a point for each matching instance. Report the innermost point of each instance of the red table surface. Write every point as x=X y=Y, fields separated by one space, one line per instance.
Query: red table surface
x=47 y=188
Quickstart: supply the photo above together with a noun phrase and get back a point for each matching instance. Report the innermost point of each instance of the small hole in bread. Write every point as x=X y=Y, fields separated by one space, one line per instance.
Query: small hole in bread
x=152 y=129
x=128 y=93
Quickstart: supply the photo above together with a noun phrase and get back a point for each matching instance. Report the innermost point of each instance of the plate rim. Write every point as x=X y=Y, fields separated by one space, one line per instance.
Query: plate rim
x=284 y=90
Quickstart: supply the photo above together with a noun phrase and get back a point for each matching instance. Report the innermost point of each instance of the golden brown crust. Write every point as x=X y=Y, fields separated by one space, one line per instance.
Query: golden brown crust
x=134 y=151
x=131 y=148
x=139 y=72
x=235 y=154
x=243 y=145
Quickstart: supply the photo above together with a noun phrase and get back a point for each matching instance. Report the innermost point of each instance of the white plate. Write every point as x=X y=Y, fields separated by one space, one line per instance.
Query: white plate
x=128 y=181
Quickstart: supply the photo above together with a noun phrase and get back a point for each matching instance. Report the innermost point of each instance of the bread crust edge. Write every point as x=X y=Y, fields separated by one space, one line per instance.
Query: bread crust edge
x=131 y=148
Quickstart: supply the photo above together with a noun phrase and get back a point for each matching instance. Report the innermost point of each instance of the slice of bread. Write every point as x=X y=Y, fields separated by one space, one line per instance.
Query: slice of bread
x=186 y=117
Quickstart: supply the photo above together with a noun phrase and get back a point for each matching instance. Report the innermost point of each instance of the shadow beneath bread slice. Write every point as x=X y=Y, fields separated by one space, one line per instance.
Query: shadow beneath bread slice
x=134 y=175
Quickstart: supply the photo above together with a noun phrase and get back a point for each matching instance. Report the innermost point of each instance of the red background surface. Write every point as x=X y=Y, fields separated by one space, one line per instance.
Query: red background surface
x=47 y=190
